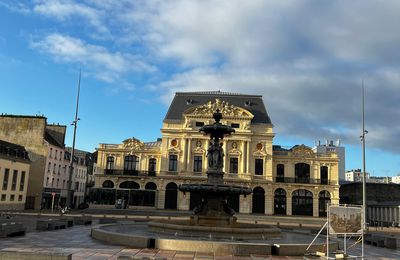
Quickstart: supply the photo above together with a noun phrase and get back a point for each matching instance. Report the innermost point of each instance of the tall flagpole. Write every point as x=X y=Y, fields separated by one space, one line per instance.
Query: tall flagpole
x=364 y=132
x=71 y=165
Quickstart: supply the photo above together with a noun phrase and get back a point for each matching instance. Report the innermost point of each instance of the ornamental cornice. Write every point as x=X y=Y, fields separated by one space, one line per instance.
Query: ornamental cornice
x=227 y=110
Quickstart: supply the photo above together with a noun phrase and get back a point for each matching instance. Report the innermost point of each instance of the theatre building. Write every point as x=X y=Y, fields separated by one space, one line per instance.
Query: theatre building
x=284 y=181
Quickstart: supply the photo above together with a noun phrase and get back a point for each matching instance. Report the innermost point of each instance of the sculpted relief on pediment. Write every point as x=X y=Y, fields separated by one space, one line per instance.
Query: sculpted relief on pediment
x=133 y=143
x=302 y=151
x=227 y=110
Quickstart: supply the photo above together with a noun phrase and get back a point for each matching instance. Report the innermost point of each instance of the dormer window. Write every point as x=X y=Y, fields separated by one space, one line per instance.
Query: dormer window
x=247 y=103
x=189 y=101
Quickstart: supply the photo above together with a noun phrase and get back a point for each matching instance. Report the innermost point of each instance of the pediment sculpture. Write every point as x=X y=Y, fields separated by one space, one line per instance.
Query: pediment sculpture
x=133 y=143
x=227 y=110
x=302 y=151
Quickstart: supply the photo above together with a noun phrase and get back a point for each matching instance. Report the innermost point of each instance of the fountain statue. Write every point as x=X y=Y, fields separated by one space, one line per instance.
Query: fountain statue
x=214 y=208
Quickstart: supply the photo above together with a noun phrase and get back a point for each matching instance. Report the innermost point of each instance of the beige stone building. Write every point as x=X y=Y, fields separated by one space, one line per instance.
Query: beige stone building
x=14 y=172
x=293 y=181
x=38 y=138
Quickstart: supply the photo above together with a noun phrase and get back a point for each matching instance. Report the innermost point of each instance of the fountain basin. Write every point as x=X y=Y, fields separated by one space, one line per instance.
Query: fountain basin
x=237 y=231
x=138 y=235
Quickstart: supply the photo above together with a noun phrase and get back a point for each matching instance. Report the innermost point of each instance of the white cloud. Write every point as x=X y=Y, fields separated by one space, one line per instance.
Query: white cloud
x=63 y=10
x=107 y=66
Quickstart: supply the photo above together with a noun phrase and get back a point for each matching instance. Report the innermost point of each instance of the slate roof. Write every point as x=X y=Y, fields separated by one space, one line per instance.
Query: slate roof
x=13 y=150
x=51 y=140
x=185 y=100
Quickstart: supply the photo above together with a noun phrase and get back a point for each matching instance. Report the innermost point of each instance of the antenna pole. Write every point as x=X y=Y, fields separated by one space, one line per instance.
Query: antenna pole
x=71 y=165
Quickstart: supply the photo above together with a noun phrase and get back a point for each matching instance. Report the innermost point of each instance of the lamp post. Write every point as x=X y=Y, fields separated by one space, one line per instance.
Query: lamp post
x=71 y=165
x=364 y=132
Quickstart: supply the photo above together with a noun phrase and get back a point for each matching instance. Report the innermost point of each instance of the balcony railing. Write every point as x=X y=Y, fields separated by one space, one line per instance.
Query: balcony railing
x=129 y=172
x=304 y=180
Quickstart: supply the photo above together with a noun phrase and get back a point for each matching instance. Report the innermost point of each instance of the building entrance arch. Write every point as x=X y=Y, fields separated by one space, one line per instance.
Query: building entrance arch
x=302 y=202
x=258 y=200
x=171 y=196
x=280 y=202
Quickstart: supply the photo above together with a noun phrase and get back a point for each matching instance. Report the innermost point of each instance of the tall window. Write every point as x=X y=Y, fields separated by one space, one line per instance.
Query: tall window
x=5 y=179
x=51 y=152
x=54 y=168
x=173 y=163
x=259 y=167
x=302 y=173
x=197 y=164
x=131 y=163
x=233 y=165
x=324 y=174
x=14 y=180
x=280 y=173
x=110 y=163
x=152 y=165
x=48 y=167
x=22 y=183
x=55 y=155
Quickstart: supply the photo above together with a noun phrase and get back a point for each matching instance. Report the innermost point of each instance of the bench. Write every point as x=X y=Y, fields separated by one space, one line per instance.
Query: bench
x=83 y=220
x=8 y=229
x=50 y=224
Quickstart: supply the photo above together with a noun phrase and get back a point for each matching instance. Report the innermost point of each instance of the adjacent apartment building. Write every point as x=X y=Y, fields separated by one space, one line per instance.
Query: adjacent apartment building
x=286 y=181
x=41 y=140
x=14 y=174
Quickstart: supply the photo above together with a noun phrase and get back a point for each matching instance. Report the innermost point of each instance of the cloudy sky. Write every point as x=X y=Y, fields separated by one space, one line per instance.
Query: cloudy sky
x=307 y=59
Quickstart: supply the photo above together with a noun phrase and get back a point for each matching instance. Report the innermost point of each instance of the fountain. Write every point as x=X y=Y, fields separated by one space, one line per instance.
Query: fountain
x=212 y=227
x=213 y=217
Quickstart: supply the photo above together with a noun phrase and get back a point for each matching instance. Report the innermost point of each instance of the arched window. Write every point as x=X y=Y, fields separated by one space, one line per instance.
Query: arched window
x=324 y=174
x=108 y=184
x=280 y=202
x=171 y=196
x=129 y=185
x=258 y=200
x=280 y=173
x=131 y=164
x=302 y=173
x=302 y=202
x=323 y=199
x=150 y=186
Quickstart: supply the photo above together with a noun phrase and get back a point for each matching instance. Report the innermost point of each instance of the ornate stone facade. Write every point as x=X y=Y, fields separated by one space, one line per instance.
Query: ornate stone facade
x=284 y=181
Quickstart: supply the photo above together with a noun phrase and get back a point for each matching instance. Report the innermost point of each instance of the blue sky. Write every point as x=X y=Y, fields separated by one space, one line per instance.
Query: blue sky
x=307 y=59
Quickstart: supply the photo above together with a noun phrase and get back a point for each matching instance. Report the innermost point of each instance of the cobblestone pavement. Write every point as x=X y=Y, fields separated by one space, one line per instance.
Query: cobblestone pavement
x=77 y=240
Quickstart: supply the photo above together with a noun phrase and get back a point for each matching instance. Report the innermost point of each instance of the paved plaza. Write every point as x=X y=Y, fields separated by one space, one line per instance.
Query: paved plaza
x=77 y=241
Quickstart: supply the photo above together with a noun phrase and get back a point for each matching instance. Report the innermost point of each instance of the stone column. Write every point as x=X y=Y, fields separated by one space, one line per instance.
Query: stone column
x=288 y=204
x=269 y=202
x=160 y=202
x=247 y=156
x=189 y=155
x=315 y=206
x=183 y=201
x=244 y=203
x=224 y=147
x=184 y=161
x=242 y=159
